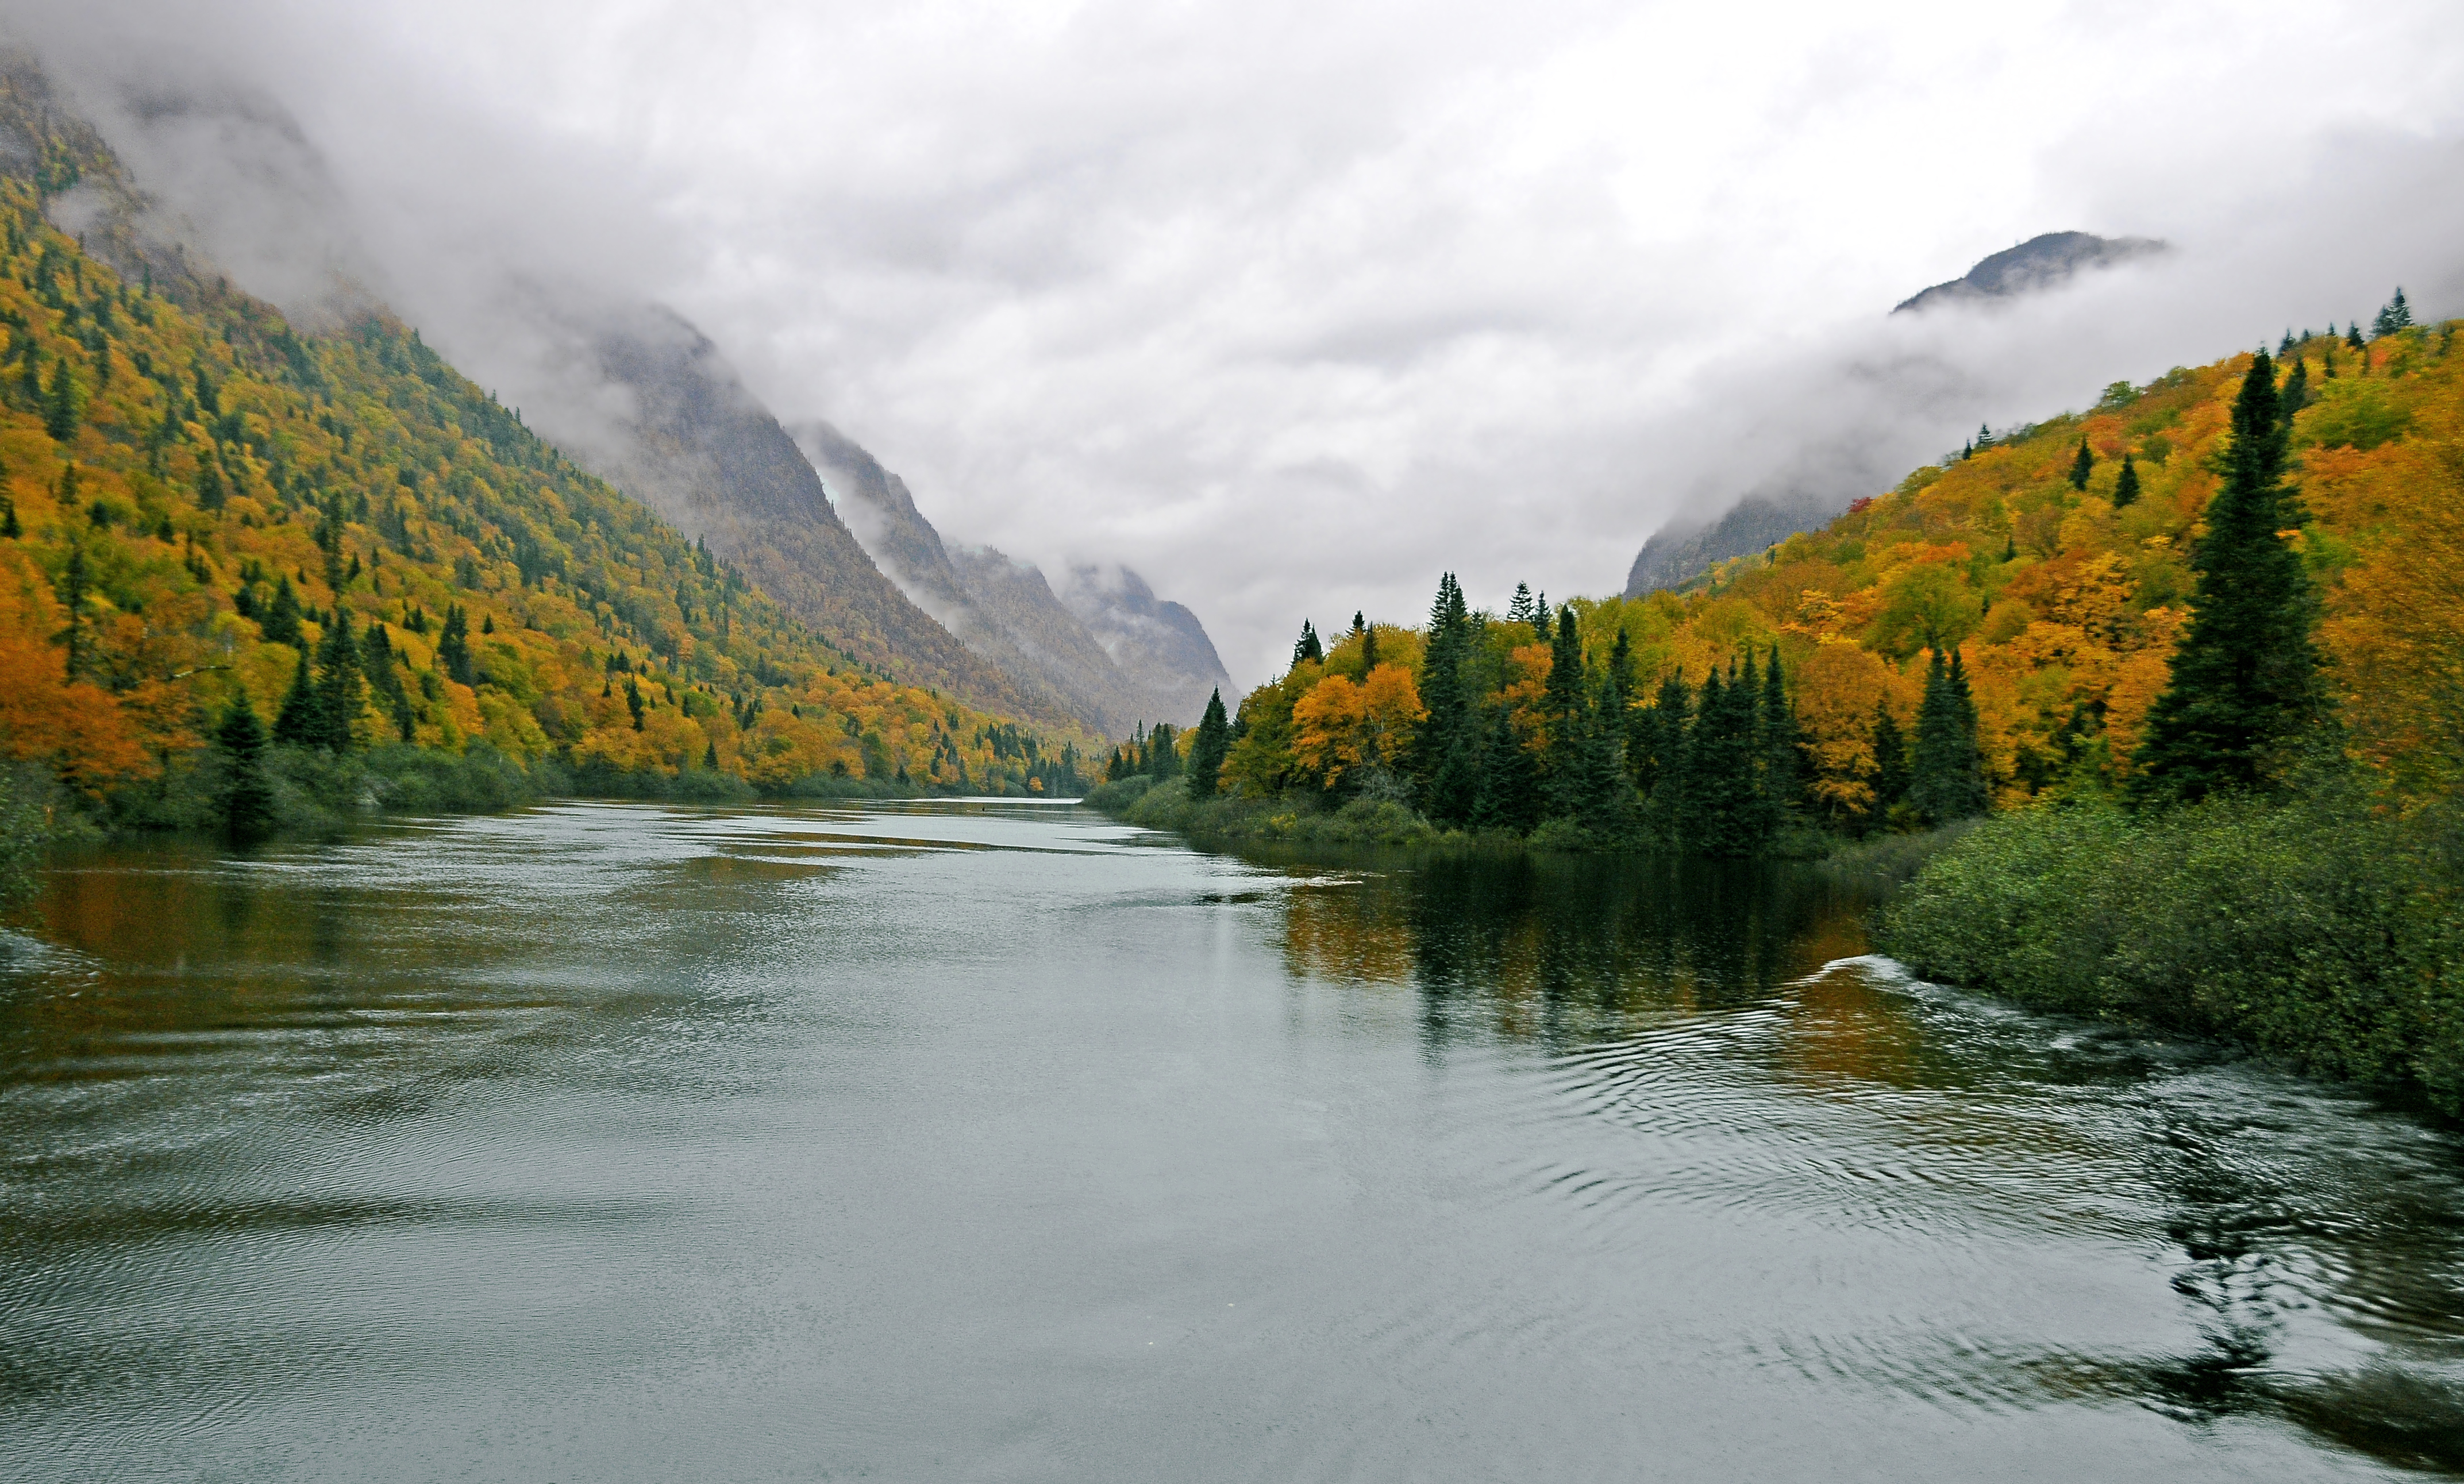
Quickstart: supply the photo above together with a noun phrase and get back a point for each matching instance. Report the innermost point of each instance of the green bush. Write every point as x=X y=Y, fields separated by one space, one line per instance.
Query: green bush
x=2320 y=930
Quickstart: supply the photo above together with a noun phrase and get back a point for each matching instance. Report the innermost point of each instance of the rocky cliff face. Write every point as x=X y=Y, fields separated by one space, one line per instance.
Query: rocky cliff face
x=1112 y=671
x=696 y=445
x=1680 y=551
x=1676 y=555
x=1158 y=643
x=2038 y=263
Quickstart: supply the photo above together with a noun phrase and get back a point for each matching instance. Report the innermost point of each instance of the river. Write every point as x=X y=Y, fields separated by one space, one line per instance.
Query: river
x=984 y=1141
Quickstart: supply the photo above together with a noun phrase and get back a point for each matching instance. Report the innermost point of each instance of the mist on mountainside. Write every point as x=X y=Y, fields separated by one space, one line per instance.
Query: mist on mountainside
x=1132 y=333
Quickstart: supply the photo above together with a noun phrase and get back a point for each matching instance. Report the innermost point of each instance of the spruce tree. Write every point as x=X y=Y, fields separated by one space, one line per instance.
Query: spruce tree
x=453 y=651
x=339 y=691
x=1446 y=751
x=1368 y=651
x=2081 y=467
x=60 y=403
x=1508 y=797
x=1783 y=779
x=2125 y=488
x=11 y=528
x=280 y=625
x=244 y=801
x=1163 y=754
x=2353 y=336
x=633 y=692
x=1208 y=748
x=298 y=722
x=1566 y=715
x=2245 y=685
x=1519 y=609
x=75 y=584
x=2396 y=315
x=1890 y=764
x=2294 y=395
x=1716 y=810
x=1654 y=736
x=1308 y=647
x=1947 y=780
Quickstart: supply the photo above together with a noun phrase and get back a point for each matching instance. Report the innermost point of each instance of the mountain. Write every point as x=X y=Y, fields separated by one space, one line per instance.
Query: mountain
x=703 y=450
x=1107 y=651
x=1679 y=554
x=2063 y=586
x=202 y=502
x=1159 y=643
x=2038 y=263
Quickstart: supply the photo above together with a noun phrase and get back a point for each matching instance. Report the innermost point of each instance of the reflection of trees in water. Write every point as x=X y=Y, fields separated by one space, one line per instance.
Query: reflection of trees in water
x=1552 y=945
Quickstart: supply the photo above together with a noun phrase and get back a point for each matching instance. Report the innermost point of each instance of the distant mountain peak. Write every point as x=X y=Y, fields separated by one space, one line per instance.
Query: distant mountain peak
x=2038 y=263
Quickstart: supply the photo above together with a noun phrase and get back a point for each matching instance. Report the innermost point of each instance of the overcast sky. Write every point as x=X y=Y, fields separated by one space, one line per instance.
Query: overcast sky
x=1293 y=306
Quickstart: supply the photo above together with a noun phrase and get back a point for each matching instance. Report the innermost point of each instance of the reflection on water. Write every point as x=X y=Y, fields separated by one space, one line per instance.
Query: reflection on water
x=997 y=1140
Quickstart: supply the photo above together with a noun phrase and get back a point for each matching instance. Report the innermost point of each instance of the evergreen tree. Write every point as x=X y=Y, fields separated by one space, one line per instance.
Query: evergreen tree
x=1207 y=749
x=244 y=803
x=1890 y=763
x=1519 y=610
x=454 y=652
x=632 y=689
x=2397 y=316
x=2081 y=467
x=1308 y=647
x=2353 y=335
x=1368 y=651
x=281 y=622
x=11 y=528
x=60 y=403
x=2125 y=488
x=2245 y=681
x=76 y=582
x=1783 y=777
x=1508 y=797
x=298 y=722
x=2295 y=394
x=340 y=694
x=1446 y=751
x=1163 y=752
x=1566 y=716
x=1655 y=735
x=1717 y=811
x=1947 y=780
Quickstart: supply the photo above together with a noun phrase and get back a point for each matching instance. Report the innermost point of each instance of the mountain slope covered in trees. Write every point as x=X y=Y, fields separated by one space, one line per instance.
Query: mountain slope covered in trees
x=200 y=504
x=1996 y=629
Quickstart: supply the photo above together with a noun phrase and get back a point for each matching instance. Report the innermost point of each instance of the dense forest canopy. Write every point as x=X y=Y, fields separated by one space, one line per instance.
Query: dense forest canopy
x=201 y=505
x=2000 y=628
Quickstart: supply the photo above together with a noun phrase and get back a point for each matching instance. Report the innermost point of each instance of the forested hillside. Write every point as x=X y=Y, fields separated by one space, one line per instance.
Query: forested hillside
x=201 y=505
x=1994 y=629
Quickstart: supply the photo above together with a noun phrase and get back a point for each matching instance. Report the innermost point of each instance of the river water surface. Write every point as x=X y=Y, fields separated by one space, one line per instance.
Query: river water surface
x=1000 y=1142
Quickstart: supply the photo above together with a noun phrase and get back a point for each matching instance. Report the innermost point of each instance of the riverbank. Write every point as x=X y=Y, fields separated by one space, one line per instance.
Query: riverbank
x=2326 y=932
x=1364 y=823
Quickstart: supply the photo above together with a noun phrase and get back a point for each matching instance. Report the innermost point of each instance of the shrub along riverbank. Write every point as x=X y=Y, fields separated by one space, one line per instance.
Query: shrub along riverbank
x=2322 y=929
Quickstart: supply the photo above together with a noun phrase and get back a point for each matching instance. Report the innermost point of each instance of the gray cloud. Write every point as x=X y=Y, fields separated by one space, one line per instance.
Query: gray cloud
x=1289 y=307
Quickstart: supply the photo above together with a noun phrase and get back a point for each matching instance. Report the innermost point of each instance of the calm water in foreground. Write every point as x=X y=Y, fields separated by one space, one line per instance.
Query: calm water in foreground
x=985 y=1141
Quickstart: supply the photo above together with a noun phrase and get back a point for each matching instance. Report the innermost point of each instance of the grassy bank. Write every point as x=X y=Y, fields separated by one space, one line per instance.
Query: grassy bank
x=1294 y=820
x=1166 y=805
x=2322 y=931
